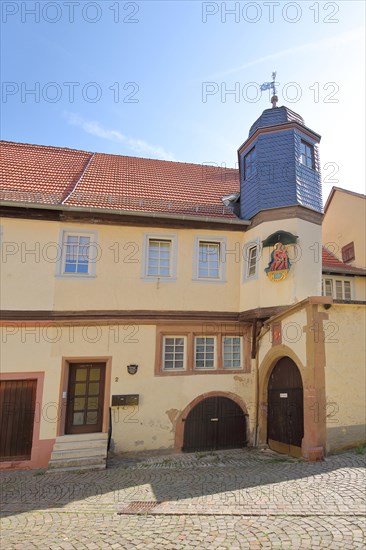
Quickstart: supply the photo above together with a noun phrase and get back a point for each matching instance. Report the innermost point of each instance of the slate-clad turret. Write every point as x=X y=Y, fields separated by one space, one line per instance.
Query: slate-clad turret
x=279 y=164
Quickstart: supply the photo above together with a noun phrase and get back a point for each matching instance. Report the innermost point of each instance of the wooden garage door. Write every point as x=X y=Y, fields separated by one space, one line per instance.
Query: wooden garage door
x=17 y=408
x=215 y=423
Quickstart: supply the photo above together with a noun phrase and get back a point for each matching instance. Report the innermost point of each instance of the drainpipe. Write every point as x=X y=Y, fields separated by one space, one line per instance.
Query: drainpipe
x=257 y=336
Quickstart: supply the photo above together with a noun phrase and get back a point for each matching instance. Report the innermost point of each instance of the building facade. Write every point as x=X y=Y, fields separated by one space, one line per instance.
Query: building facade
x=154 y=305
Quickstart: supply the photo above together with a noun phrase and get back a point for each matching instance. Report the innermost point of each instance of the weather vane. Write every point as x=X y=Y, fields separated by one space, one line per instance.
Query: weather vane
x=271 y=86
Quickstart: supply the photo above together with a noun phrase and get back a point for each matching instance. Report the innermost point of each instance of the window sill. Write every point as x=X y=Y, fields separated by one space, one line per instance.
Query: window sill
x=199 y=371
x=158 y=279
x=312 y=169
x=251 y=278
x=210 y=281
x=76 y=276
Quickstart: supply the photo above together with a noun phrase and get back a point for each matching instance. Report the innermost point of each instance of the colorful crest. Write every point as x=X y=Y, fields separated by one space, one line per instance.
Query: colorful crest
x=279 y=263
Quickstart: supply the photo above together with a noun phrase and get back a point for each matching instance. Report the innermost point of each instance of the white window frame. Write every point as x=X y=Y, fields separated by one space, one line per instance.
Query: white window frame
x=163 y=359
x=304 y=157
x=250 y=162
x=173 y=256
x=229 y=336
x=221 y=241
x=334 y=280
x=92 y=261
x=247 y=247
x=205 y=336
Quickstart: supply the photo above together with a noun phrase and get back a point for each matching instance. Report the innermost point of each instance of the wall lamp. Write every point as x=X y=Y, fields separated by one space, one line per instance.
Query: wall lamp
x=132 y=369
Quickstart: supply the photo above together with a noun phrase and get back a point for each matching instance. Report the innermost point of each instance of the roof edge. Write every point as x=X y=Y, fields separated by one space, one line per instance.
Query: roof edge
x=137 y=213
x=348 y=191
x=277 y=127
x=357 y=271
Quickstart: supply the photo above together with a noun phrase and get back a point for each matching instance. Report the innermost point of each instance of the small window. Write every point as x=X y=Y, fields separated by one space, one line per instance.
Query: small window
x=249 y=164
x=328 y=287
x=174 y=352
x=204 y=352
x=347 y=290
x=209 y=263
x=79 y=254
x=76 y=254
x=231 y=352
x=307 y=154
x=340 y=289
x=182 y=352
x=251 y=256
x=159 y=258
x=252 y=259
x=348 y=252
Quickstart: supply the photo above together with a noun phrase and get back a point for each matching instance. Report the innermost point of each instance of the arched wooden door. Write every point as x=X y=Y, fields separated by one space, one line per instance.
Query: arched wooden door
x=285 y=427
x=215 y=423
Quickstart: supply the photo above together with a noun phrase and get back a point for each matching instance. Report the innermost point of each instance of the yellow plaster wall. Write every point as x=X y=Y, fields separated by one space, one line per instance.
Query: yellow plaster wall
x=293 y=336
x=344 y=222
x=345 y=374
x=25 y=349
x=27 y=270
x=161 y=398
x=30 y=282
x=304 y=277
x=359 y=285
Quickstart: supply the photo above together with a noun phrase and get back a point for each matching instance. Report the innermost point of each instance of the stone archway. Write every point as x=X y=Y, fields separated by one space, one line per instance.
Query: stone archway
x=180 y=424
x=313 y=400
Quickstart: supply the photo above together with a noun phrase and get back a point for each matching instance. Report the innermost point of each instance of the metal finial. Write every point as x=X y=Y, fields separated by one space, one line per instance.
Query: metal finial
x=271 y=86
x=274 y=74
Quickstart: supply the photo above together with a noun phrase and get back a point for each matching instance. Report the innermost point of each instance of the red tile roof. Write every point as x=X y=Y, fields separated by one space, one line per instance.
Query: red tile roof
x=41 y=174
x=332 y=264
x=34 y=173
x=53 y=175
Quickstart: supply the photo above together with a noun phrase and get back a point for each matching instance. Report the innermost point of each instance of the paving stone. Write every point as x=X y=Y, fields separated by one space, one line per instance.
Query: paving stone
x=229 y=500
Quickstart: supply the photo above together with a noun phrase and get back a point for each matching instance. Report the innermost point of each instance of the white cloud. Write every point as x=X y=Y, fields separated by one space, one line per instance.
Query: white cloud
x=138 y=146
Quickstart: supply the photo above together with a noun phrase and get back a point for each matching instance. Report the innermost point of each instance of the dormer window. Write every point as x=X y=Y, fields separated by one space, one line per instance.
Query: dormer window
x=307 y=155
x=249 y=164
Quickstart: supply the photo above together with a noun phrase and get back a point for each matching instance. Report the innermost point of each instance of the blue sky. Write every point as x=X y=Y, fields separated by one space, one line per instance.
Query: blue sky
x=153 y=78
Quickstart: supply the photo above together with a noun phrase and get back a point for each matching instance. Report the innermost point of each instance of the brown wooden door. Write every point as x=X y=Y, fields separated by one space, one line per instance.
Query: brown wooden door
x=285 y=428
x=215 y=423
x=85 y=398
x=17 y=408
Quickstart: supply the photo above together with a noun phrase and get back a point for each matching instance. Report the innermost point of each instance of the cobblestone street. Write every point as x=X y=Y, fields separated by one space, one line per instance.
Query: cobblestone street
x=222 y=500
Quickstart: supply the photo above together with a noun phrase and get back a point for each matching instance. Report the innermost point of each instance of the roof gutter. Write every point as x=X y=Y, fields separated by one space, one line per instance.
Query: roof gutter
x=341 y=271
x=115 y=212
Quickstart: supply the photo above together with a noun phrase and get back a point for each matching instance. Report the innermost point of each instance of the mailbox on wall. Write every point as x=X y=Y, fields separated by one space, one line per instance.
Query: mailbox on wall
x=125 y=400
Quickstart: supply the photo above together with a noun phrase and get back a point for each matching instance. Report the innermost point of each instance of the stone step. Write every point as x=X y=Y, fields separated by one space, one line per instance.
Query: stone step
x=82 y=437
x=79 y=445
x=56 y=464
x=60 y=469
x=78 y=453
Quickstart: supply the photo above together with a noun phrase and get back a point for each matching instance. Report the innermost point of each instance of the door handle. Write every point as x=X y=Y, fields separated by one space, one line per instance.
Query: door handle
x=214 y=419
